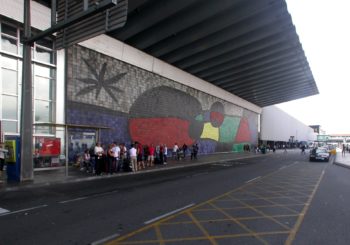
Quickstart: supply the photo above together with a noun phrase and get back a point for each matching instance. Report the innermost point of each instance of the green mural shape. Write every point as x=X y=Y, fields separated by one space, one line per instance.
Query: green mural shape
x=238 y=147
x=228 y=129
x=199 y=118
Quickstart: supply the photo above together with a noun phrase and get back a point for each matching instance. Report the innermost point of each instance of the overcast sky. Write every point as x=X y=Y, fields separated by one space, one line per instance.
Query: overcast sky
x=323 y=27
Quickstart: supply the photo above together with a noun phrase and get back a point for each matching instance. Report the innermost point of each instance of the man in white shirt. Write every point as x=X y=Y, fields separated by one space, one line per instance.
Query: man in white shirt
x=98 y=150
x=165 y=157
x=175 y=151
x=133 y=159
x=116 y=153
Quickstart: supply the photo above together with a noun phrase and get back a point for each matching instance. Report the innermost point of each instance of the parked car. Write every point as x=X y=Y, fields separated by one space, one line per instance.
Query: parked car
x=319 y=153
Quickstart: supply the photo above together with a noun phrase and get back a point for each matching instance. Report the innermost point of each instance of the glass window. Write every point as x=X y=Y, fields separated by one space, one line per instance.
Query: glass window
x=43 y=88
x=9 y=81
x=9 y=126
x=43 y=71
x=43 y=55
x=20 y=72
x=21 y=49
x=45 y=43
x=9 y=30
x=43 y=130
x=9 y=63
x=42 y=111
x=9 y=107
x=9 y=44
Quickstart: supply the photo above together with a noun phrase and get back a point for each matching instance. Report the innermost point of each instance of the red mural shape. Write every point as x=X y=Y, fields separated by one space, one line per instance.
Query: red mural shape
x=160 y=131
x=216 y=118
x=243 y=134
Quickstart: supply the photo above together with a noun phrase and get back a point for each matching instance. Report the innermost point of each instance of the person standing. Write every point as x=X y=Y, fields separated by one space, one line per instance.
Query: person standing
x=165 y=154
x=2 y=158
x=284 y=148
x=124 y=157
x=151 y=155
x=116 y=156
x=145 y=155
x=133 y=158
x=175 y=151
x=343 y=150
x=139 y=150
x=98 y=151
x=194 y=152
x=87 y=161
x=161 y=154
x=184 y=149
x=110 y=159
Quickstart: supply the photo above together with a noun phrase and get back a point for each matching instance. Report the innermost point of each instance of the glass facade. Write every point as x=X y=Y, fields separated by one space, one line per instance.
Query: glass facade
x=44 y=88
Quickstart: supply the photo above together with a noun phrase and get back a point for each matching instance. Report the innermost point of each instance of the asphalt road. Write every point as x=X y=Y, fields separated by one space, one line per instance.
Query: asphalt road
x=82 y=213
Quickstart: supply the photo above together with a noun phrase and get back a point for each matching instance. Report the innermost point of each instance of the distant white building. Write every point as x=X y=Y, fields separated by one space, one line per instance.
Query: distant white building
x=278 y=126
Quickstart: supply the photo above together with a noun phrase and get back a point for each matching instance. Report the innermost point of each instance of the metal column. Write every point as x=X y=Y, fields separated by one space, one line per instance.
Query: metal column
x=27 y=102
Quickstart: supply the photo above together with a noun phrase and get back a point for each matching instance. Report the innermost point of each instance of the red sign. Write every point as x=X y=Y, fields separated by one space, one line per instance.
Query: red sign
x=50 y=146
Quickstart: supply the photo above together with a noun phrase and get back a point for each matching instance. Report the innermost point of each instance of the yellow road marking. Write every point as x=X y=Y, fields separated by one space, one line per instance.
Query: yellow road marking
x=241 y=225
x=222 y=198
x=294 y=231
x=203 y=238
x=202 y=228
x=159 y=235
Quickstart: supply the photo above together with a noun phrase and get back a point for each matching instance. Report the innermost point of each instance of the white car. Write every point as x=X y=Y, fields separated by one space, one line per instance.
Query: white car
x=319 y=154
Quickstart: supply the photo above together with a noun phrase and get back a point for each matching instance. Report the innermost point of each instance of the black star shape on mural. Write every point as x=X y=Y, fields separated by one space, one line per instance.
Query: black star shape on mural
x=100 y=82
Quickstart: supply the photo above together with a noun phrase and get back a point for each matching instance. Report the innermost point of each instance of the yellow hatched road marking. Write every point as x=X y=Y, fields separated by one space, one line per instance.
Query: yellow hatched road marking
x=203 y=238
x=229 y=197
x=159 y=235
x=294 y=231
x=205 y=232
x=241 y=225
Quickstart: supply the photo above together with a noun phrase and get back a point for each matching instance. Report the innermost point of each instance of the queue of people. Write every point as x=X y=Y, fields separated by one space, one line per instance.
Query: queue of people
x=180 y=153
x=117 y=157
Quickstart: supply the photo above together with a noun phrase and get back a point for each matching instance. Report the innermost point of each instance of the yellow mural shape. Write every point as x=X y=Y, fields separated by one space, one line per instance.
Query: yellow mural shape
x=210 y=132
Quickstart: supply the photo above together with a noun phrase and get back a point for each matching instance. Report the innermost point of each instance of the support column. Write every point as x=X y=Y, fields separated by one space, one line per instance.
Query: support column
x=27 y=102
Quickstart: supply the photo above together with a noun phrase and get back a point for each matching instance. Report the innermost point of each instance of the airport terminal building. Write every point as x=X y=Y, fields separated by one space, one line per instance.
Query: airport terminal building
x=105 y=89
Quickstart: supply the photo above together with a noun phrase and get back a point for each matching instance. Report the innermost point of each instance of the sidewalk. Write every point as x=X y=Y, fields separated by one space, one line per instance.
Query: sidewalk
x=341 y=160
x=50 y=177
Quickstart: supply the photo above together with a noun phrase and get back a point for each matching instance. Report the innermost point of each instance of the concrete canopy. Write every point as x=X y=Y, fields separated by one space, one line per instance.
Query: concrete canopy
x=247 y=47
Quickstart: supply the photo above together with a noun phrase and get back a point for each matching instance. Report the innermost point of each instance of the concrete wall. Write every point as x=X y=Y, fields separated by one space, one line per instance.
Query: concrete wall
x=121 y=51
x=40 y=15
x=277 y=125
x=139 y=105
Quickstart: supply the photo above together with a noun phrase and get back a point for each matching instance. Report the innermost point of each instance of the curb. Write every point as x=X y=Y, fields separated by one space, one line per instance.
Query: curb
x=92 y=178
x=344 y=165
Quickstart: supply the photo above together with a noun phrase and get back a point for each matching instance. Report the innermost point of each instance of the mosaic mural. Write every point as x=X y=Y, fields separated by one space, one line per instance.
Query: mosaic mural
x=137 y=105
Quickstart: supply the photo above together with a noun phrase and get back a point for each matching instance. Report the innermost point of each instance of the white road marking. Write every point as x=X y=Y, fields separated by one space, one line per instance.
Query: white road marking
x=253 y=179
x=199 y=174
x=282 y=167
x=168 y=214
x=106 y=239
x=24 y=210
x=222 y=164
x=73 y=200
x=86 y=197
x=3 y=211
